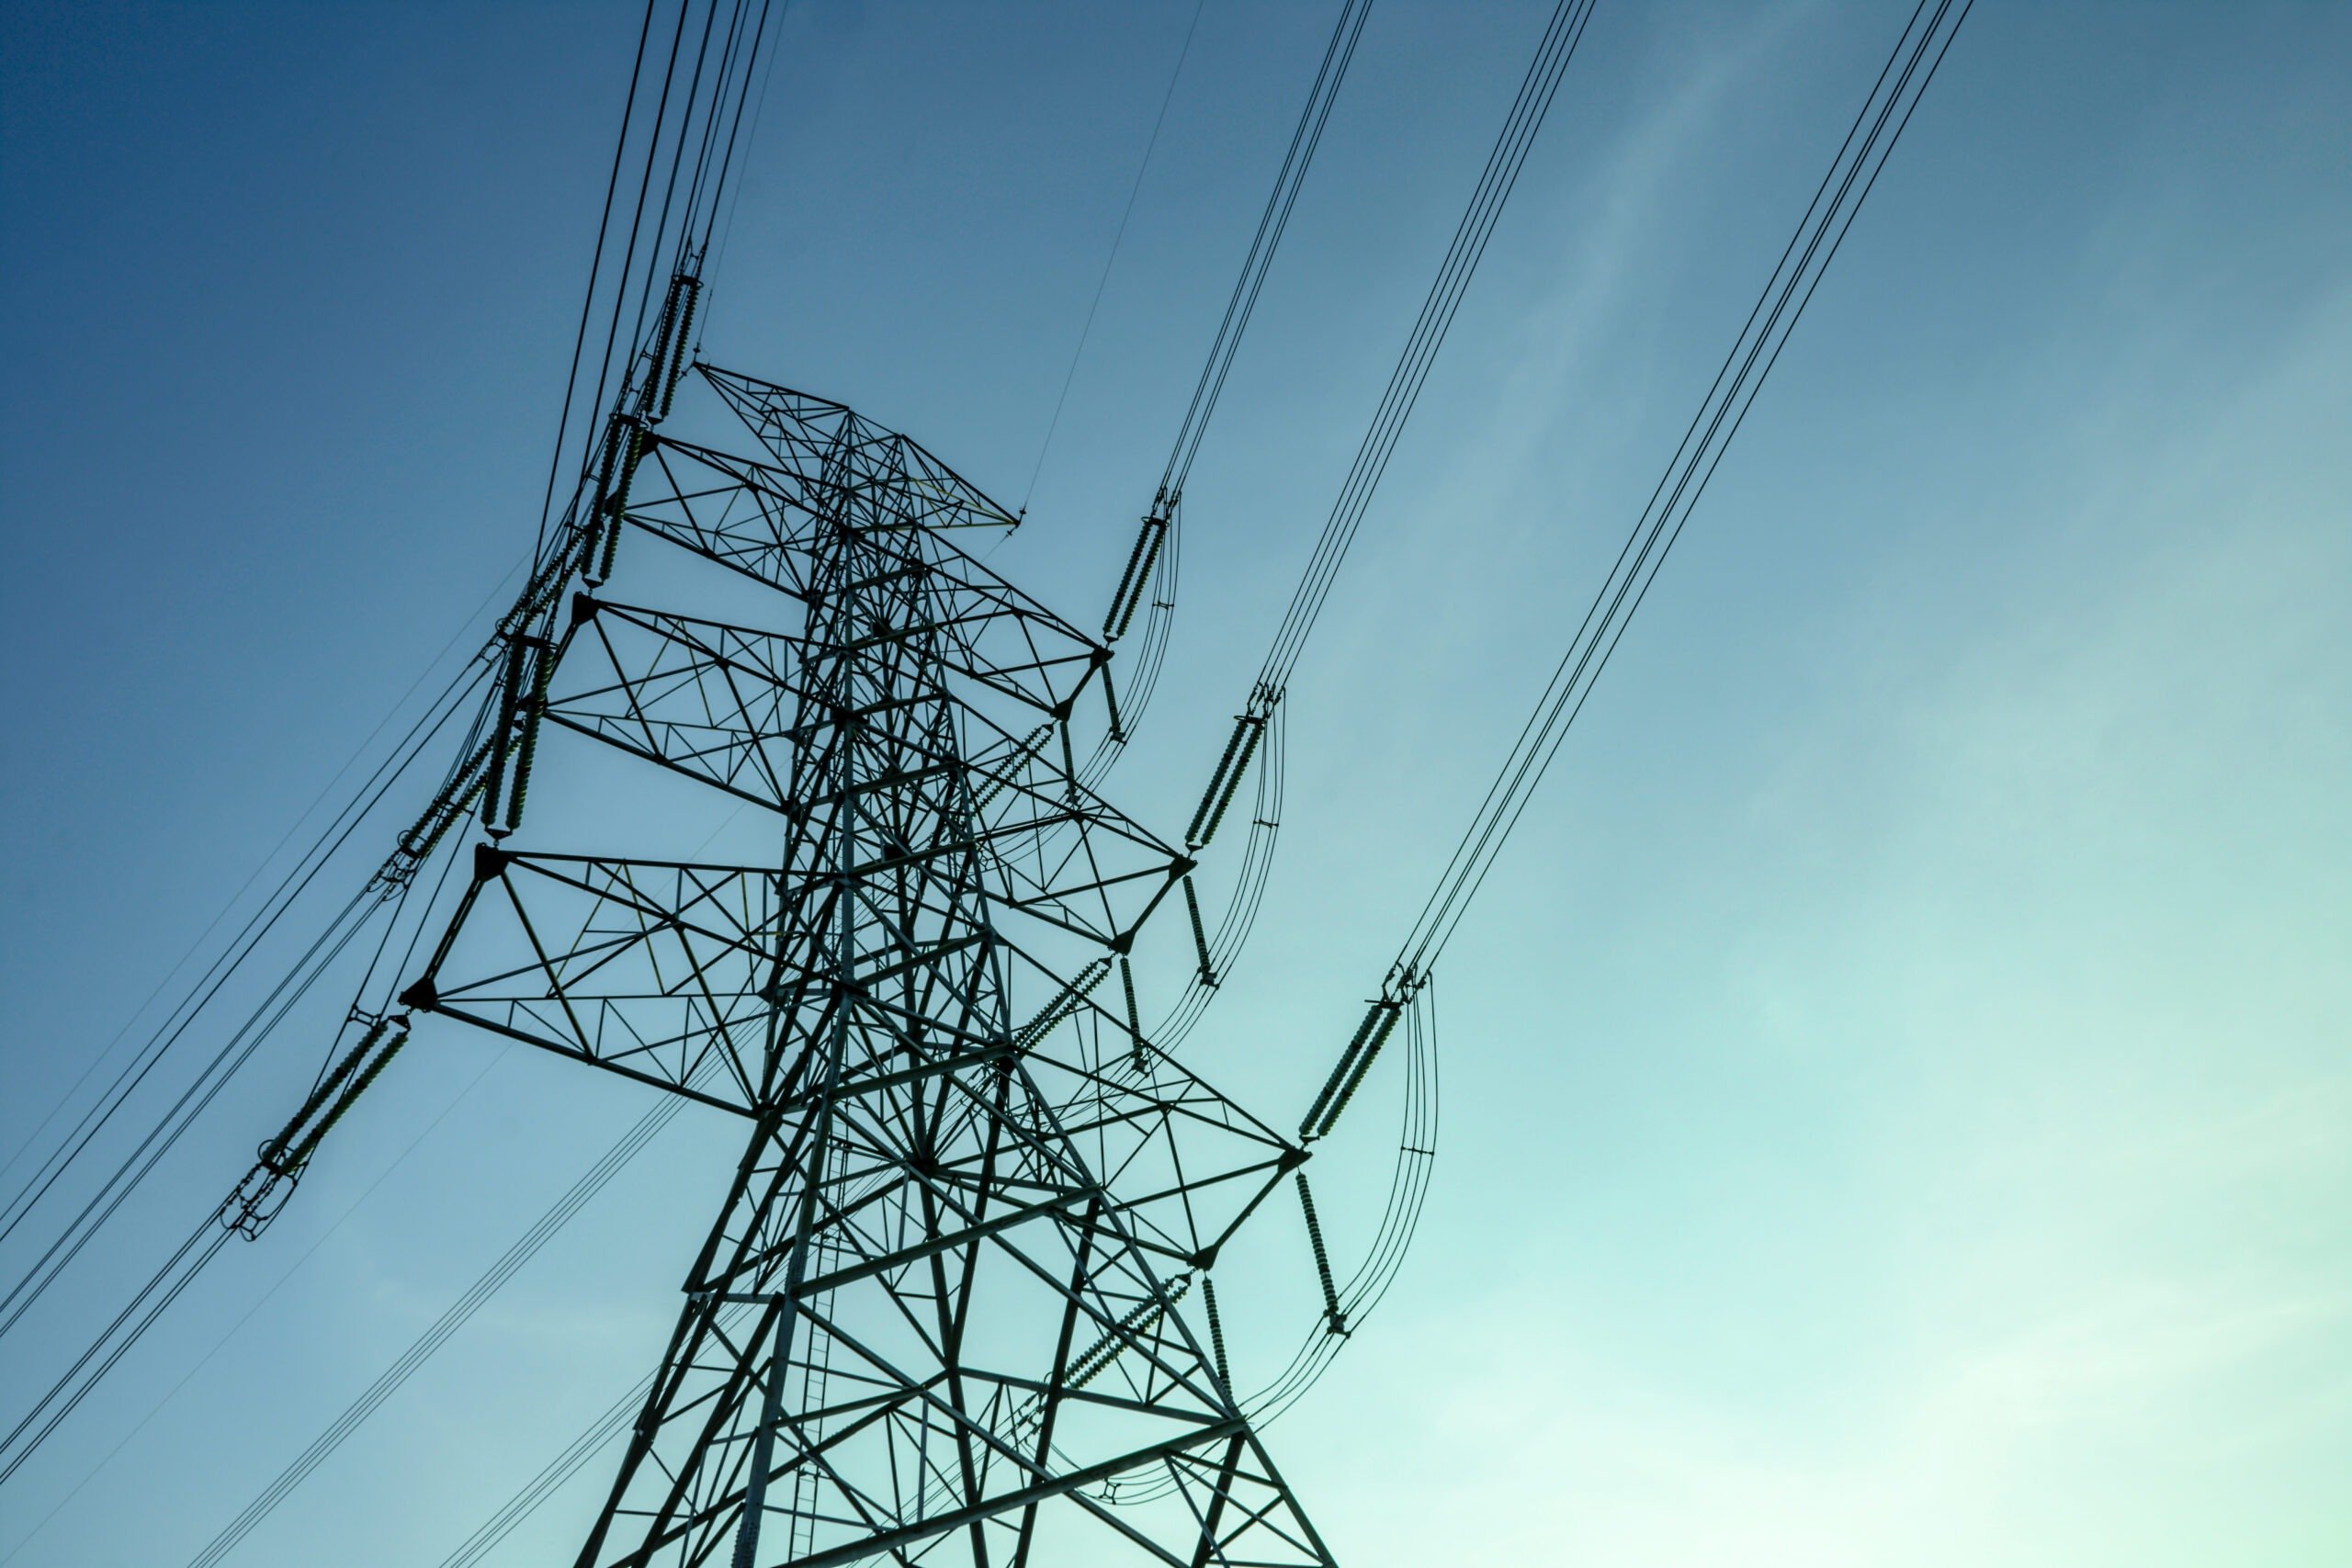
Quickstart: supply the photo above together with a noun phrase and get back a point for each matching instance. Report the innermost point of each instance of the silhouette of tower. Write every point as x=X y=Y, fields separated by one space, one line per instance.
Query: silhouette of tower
x=937 y=1319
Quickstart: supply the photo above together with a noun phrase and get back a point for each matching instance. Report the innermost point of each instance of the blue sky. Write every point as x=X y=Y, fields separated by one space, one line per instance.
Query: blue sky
x=1895 y=1092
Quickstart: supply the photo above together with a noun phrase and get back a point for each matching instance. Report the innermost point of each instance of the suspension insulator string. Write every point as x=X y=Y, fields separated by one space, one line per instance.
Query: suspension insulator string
x=1216 y=779
x=456 y=798
x=612 y=526
x=625 y=447
x=1233 y=780
x=1135 y=1017
x=678 y=353
x=536 y=595
x=279 y=1163
x=1073 y=992
x=1020 y=759
x=1110 y=703
x=615 y=432
x=457 y=814
x=410 y=855
x=1135 y=581
x=585 y=555
x=1391 y=1012
x=1138 y=1321
x=1230 y=767
x=271 y=1153
x=351 y=1093
x=640 y=441
x=1200 y=930
x=1339 y=1069
x=510 y=696
x=1216 y=1335
x=658 y=355
x=543 y=675
x=543 y=589
x=1335 y=1320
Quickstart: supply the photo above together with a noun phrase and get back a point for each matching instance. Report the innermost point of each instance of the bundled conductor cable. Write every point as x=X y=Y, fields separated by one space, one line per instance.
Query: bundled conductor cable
x=1152 y=568
x=1926 y=37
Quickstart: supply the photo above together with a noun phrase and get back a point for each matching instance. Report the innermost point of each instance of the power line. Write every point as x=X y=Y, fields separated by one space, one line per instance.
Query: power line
x=725 y=102
x=249 y=1035
x=1827 y=217
x=1619 y=598
x=1086 y=328
x=1257 y=732
x=1305 y=138
x=263 y=1300
x=1155 y=565
x=470 y=1300
x=1919 y=52
x=595 y=266
x=1493 y=190
x=171 y=1280
x=327 y=840
x=1496 y=181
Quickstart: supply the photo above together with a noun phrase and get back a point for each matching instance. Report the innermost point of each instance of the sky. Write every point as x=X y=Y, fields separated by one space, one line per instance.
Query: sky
x=1895 y=1088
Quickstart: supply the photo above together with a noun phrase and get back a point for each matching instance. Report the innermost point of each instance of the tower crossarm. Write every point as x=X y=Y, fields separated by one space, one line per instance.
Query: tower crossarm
x=813 y=435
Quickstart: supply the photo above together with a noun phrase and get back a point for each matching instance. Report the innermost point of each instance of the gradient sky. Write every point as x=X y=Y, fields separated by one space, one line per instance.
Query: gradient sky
x=1896 y=1089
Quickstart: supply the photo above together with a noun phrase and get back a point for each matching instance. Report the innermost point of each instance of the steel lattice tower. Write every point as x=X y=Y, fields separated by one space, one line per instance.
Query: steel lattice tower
x=937 y=1319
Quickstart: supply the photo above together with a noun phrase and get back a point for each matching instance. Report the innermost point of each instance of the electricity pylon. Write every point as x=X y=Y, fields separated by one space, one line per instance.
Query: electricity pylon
x=937 y=1319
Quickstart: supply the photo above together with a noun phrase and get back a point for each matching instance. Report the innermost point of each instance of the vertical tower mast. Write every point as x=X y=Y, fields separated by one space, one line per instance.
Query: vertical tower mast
x=937 y=1318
